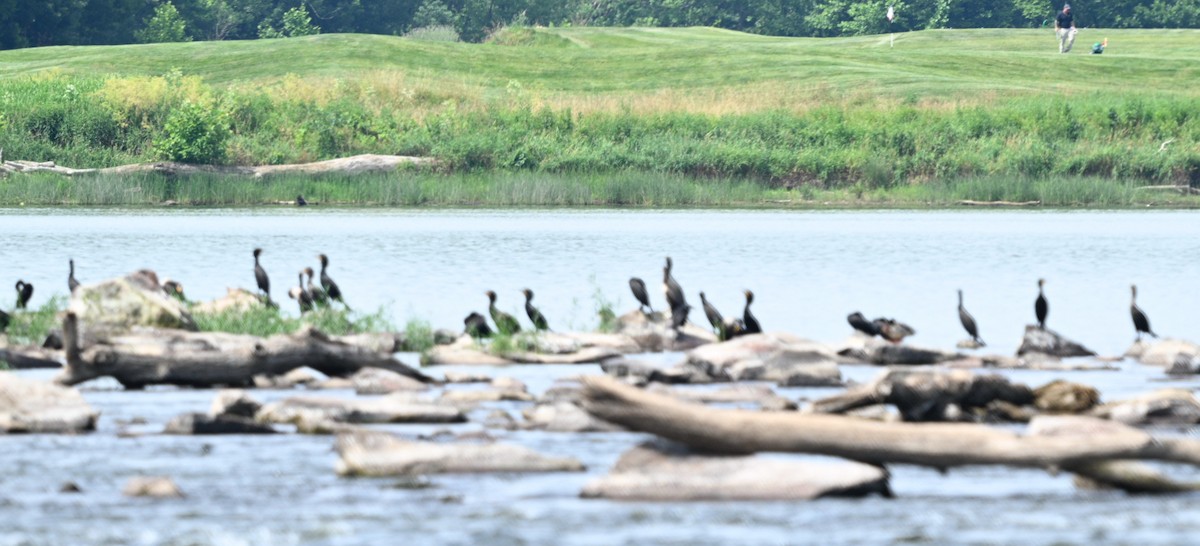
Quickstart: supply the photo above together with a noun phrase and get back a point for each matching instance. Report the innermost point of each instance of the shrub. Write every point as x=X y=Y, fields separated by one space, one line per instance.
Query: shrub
x=194 y=133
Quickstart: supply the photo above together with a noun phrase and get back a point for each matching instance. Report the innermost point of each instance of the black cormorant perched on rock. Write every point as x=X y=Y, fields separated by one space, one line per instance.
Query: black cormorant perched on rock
x=860 y=323
x=72 y=284
x=331 y=288
x=535 y=316
x=679 y=315
x=505 y=323
x=476 y=326
x=303 y=297
x=174 y=289
x=671 y=288
x=714 y=316
x=1040 y=306
x=300 y=202
x=639 y=292
x=260 y=276
x=968 y=321
x=4 y=320
x=24 y=294
x=319 y=296
x=751 y=323
x=1140 y=322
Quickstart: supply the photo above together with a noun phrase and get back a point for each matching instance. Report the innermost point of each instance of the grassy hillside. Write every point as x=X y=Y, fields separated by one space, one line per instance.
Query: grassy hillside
x=699 y=102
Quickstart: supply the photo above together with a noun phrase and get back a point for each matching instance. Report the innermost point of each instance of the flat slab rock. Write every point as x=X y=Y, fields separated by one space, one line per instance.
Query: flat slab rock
x=394 y=408
x=548 y=348
x=871 y=350
x=564 y=416
x=1177 y=356
x=1165 y=406
x=380 y=454
x=654 y=472
x=782 y=358
x=652 y=332
x=29 y=406
x=381 y=381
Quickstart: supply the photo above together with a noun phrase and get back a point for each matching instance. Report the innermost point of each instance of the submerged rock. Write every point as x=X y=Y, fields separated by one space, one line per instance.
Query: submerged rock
x=234 y=402
x=29 y=406
x=201 y=423
x=380 y=454
x=157 y=487
x=380 y=381
x=564 y=417
x=392 y=408
x=660 y=472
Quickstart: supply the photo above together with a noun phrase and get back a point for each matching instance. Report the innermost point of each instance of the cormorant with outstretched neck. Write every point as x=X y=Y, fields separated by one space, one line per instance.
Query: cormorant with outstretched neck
x=1140 y=322
x=303 y=297
x=860 y=323
x=260 y=276
x=319 y=296
x=714 y=316
x=505 y=323
x=24 y=294
x=968 y=321
x=1040 y=306
x=751 y=323
x=476 y=326
x=535 y=316
x=72 y=284
x=331 y=288
x=639 y=292
x=673 y=291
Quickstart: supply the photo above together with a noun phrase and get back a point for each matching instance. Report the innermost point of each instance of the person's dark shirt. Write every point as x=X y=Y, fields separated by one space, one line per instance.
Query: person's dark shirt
x=1065 y=20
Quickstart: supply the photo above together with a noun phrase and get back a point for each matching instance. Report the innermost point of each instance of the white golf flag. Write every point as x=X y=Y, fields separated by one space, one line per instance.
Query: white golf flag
x=891 y=14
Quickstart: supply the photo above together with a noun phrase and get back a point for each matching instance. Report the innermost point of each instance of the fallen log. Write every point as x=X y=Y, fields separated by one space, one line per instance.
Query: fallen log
x=174 y=357
x=25 y=358
x=973 y=203
x=359 y=164
x=936 y=445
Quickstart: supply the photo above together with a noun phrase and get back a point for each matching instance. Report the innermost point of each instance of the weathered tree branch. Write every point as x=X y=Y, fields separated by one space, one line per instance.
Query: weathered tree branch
x=938 y=445
x=159 y=356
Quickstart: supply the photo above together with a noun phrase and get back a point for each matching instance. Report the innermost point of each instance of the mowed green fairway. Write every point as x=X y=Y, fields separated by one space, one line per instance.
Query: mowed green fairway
x=953 y=65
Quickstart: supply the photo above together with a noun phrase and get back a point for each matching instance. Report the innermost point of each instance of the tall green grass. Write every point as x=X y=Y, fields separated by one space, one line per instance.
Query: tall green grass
x=31 y=326
x=265 y=321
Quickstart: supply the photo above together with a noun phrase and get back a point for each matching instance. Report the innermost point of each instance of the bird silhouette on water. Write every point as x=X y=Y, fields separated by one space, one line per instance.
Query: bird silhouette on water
x=24 y=294
x=535 y=316
x=968 y=321
x=1140 y=322
x=1041 y=307
x=638 y=286
x=505 y=323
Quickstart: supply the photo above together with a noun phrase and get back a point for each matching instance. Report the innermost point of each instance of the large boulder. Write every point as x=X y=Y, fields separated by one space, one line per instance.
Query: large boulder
x=137 y=299
x=653 y=332
x=234 y=402
x=235 y=299
x=379 y=454
x=1050 y=343
x=659 y=472
x=1176 y=356
x=784 y=359
x=39 y=407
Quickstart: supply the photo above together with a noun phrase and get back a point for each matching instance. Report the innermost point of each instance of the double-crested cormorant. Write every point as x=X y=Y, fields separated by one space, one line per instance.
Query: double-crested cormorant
x=303 y=297
x=535 y=316
x=300 y=202
x=319 y=296
x=476 y=326
x=671 y=288
x=24 y=294
x=679 y=315
x=639 y=292
x=968 y=321
x=505 y=323
x=1140 y=322
x=1040 y=306
x=72 y=284
x=860 y=323
x=751 y=323
x=260 y=276
x=893 y=330
x=174 y=289
x=4 y=320
x=714 y=316
x=331 y=288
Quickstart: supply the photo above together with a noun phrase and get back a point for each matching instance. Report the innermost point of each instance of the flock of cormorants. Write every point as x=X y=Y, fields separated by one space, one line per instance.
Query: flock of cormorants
x=309 y=296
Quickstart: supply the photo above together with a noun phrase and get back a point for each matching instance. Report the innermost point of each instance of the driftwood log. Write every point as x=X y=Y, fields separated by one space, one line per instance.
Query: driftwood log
x=1070 y=443
x=155 y=356
x=367 y=163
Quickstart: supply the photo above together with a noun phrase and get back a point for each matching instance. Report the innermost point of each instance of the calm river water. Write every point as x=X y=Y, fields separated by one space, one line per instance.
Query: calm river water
x=807 y=269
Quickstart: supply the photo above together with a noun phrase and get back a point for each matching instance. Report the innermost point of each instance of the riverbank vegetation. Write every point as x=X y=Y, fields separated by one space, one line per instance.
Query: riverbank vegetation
x=586 y=116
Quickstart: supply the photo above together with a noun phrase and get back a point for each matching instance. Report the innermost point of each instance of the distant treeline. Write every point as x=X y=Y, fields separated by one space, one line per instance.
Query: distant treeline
x=26 y=23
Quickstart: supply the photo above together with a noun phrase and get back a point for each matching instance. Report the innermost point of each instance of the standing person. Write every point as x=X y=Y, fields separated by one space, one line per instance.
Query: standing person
x=1064 y=26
